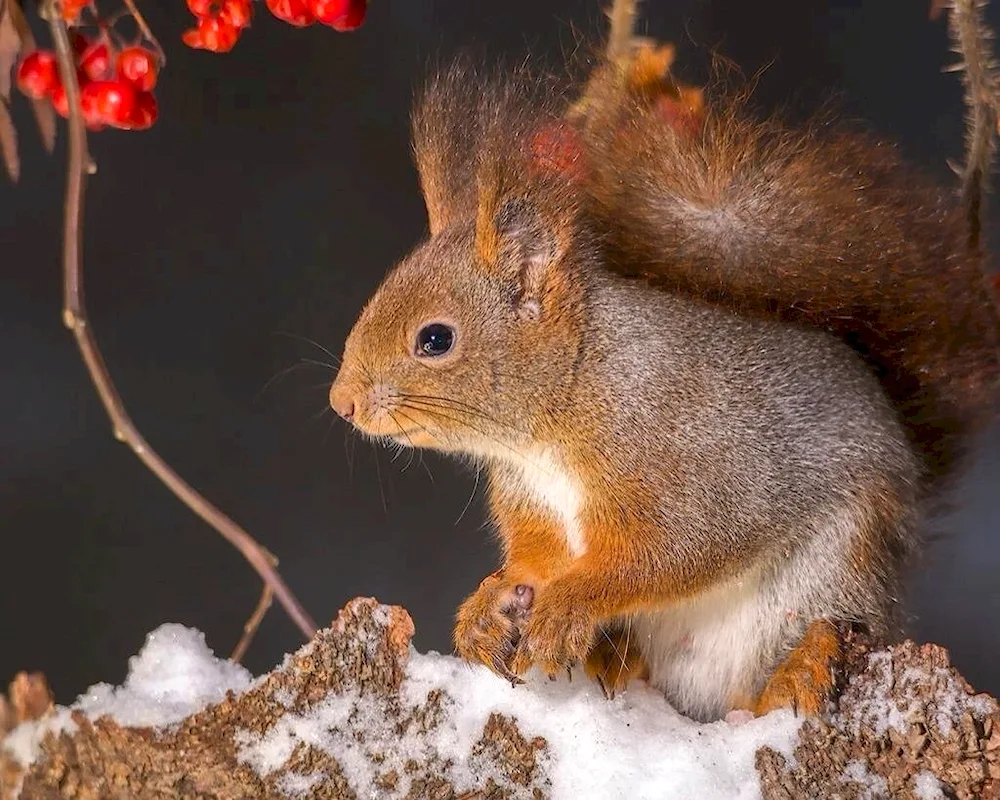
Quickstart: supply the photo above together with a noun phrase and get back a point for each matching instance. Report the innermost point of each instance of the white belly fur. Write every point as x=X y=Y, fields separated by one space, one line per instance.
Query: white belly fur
x=557 y=491
x=711 y=651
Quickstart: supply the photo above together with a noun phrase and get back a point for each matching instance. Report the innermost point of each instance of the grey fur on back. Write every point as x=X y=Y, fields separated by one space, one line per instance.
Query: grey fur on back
x=772 y=437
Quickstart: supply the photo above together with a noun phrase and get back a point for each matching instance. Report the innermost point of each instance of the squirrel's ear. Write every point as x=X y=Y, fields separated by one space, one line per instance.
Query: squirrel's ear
x=514 y=239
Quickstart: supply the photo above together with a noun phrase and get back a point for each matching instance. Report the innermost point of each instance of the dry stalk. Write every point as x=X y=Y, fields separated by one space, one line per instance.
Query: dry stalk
x=75 y=318
x=971 y=39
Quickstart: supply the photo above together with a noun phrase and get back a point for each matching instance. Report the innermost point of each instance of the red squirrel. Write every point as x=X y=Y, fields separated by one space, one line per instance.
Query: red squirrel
x=715 y=368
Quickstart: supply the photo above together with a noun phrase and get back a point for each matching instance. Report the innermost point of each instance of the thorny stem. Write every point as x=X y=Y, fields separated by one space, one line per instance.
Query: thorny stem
x=75 y=318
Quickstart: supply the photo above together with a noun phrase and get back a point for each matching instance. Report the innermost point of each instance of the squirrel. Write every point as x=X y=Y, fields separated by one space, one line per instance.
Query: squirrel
x=714 y=372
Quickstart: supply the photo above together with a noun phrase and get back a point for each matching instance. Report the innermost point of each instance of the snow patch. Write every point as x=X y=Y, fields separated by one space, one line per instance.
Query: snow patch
x=927 y=786
x=873 y=786
x=891 y=703
x=635 y=746
x=174 y=675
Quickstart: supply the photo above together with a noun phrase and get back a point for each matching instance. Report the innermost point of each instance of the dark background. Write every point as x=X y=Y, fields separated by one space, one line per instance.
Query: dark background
x=265 y=206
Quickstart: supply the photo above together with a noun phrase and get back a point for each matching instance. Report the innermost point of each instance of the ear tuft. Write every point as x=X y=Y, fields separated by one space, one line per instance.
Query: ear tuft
x=515 y=240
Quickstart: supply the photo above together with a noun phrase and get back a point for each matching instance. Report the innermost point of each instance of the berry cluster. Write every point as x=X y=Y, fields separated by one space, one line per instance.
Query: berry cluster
x=116 y=87
x=220 y=22
x=341 y=15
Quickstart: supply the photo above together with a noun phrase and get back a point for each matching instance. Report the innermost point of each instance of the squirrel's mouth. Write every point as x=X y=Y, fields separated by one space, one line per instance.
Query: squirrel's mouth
x=387 y=429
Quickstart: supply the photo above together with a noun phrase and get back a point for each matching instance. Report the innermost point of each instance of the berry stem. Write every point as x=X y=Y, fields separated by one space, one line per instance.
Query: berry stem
x=75 y=318
x=146 y=32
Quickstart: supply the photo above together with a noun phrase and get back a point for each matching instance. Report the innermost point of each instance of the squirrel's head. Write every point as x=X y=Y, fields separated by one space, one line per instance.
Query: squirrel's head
x=462 y=345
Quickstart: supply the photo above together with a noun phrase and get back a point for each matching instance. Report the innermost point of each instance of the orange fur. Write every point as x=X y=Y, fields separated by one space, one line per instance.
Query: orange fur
x=615 y=660
x=804 y=681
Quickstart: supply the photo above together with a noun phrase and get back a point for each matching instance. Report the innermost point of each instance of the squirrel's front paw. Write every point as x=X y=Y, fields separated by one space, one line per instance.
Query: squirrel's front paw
x=558 y=634
x=488 y=626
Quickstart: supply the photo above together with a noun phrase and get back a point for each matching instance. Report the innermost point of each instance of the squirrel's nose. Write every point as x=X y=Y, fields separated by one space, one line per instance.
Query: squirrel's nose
x=341 y=401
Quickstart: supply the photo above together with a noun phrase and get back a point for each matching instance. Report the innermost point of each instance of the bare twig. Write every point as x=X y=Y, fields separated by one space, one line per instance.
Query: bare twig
x=75 y=318
x=250 y=628
x=971 y=40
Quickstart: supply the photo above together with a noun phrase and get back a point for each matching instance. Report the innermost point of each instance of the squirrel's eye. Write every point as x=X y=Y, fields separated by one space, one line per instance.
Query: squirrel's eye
x=435 y=339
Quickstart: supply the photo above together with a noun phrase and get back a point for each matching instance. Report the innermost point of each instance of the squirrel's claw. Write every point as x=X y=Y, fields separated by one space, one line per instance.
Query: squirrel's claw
x=614 y=661
x=557 y=635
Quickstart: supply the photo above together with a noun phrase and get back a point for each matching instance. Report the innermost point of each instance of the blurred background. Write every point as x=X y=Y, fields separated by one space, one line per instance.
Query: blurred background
x=254 y=219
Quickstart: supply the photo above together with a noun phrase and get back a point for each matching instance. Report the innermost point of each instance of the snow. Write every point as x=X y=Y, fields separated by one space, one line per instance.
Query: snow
x=635 y=746
x=174 y=675
x=891 y=703
x=872 y=786
x=927 y=786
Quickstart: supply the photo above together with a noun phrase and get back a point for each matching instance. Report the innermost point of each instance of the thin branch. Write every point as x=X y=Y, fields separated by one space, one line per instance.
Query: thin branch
x=252 y=624
x=971 y=40
x=75 y=318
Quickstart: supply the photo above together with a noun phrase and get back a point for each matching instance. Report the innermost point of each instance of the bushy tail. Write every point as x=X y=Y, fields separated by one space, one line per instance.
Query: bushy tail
x=821 y=225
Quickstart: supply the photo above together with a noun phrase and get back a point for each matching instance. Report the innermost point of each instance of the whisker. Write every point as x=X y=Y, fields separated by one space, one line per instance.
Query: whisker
x=484 y=434
x=472 y=496
x=381 y=489
x=349 y=453
x=307 y=340
x=312 y=362
x=408 y=439
x=419 y=450
x=333 y=421
x=628 y=639
x=426 y=405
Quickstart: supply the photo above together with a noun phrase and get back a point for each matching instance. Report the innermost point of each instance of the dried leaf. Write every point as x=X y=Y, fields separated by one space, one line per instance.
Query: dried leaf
x=10 y=45
x=30 y=695
x=45 y=116
x=7 y=721
x=8 y=143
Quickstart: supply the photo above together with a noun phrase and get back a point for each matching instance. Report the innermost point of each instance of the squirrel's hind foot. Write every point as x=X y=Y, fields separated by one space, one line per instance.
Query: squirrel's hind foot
x=805 y=680
x=614 y=661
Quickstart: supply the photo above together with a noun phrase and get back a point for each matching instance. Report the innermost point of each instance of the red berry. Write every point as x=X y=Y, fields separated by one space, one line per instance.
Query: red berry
x=80 y=43
x=71 y=9
x=203 y=8
x=685 y=119
x=144 y=114
x=38 y=74
x=237 y=13
x=138 y=66
x=557 y=147
x=111 y=102
x=89 y=108
x=353 y=16
x=95 y=62
x=294 y=12
x=328 y=11
x=212 y=34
